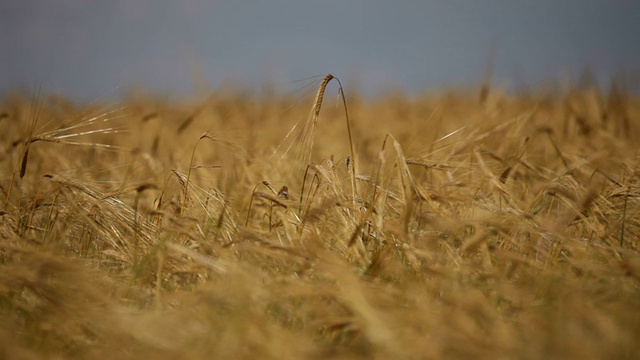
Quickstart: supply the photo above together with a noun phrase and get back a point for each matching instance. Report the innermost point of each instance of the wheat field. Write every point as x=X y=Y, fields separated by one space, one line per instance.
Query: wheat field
x=453 y=225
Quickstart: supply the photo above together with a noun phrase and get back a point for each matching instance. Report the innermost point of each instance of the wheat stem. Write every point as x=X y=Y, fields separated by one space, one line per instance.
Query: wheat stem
x=316 y=111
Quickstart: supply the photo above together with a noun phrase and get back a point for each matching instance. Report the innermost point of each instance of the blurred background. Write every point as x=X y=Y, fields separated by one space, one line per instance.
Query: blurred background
x=95 y=49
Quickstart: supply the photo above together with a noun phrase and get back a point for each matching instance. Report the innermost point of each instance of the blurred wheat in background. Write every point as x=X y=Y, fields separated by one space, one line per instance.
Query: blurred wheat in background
x=458 y=225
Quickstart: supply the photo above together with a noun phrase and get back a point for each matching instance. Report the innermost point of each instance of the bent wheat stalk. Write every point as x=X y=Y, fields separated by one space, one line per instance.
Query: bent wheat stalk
x=315 y=112
x=302 y=141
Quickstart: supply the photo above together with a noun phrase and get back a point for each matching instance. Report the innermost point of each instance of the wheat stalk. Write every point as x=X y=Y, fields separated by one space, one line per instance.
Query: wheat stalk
x=304 y=142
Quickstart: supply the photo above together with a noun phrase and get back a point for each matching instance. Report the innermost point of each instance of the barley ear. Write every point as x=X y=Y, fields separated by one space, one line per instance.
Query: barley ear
x=316 y=111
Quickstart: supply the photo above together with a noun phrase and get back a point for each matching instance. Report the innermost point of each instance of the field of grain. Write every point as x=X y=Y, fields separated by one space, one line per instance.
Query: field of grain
x=454 y=225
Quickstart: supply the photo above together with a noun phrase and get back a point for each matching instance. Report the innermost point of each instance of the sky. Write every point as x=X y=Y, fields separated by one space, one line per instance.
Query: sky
x=86 y=49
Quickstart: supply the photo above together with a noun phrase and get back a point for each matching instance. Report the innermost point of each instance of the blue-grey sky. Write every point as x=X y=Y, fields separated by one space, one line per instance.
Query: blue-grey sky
x=93 y=48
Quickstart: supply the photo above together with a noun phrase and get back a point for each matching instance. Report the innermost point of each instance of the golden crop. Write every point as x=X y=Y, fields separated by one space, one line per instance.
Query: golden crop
x=456 y=225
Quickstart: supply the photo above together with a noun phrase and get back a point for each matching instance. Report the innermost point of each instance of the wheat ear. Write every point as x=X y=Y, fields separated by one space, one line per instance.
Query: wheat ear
x=316 y=111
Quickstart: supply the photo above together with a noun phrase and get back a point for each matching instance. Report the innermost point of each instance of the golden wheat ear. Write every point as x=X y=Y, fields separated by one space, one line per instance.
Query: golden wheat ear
x=304 y=146
x=351 y=160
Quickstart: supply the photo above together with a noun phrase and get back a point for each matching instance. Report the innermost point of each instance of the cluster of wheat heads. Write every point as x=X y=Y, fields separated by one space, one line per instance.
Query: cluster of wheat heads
x=447 y=226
